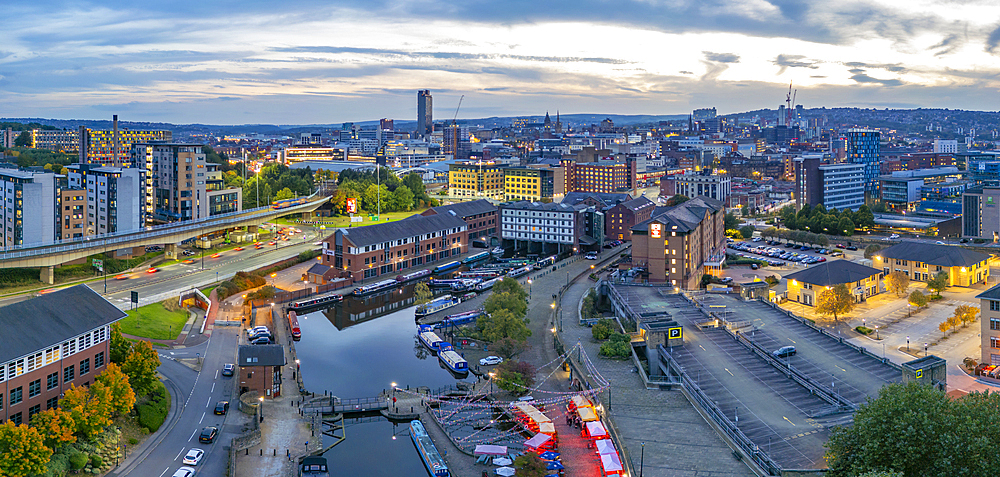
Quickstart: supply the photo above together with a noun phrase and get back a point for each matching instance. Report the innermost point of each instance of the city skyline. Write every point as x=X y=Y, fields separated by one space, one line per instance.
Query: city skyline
x=311 y=62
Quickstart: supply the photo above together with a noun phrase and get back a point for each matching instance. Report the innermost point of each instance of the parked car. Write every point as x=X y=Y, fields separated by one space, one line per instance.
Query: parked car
x=221 y=408
x=490 y=360
x=754 y=266
x=852 y=247
x=193 y=457
x=263 y=340
x=208 y=435
x=726 y=280
x=836 y=254
x=789 y=245
x=228 y=369
x=784 y=352
x=256 y=329
x=591 y=256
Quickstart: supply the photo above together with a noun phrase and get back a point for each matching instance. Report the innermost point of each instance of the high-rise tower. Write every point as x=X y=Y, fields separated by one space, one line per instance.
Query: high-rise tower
x=863 y=148
x=425 y=113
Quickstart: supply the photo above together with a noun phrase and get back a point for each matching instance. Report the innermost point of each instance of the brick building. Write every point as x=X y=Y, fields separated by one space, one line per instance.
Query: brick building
x=922 y=261
x=385 y=249
x=682 y=243
x=480 y=216
x=619 y=220
x=54 y=341
x=602 y=176
x=260 y=369
x=804 y=286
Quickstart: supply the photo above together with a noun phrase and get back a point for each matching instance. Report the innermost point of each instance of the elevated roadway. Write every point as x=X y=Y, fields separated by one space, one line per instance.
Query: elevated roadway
x=48 y=255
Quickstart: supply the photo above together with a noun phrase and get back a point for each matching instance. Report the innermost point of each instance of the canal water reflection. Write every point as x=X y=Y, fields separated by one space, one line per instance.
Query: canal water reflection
x=356 y=349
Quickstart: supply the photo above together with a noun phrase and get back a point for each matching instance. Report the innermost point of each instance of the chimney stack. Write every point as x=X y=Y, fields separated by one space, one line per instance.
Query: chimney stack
x=114 y=154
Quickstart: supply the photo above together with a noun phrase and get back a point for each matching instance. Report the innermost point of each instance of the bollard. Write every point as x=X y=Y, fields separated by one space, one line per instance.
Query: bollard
x=275 y=452
x=262 y=452
x=248 y=451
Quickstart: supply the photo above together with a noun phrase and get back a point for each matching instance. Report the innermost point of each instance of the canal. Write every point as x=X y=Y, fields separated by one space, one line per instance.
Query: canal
x=357 y=348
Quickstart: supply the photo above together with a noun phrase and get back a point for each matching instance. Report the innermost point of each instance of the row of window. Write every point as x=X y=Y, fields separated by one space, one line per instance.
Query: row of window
x=15 y=396
x=43 y=358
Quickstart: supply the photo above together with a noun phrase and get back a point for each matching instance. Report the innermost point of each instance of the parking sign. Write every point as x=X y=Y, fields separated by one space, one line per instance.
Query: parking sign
x=674 y=333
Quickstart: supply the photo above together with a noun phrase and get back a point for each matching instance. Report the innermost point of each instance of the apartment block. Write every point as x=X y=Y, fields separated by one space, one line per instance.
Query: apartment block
x=476 y=179
x=114 y=195
x=386 y=249
x=703 y=183
x=71 y=215
x=178 y=182
x=534 y=184
x=839 y=186
x=863 y=148
x=619 y=219
x=54 y=341
x=550 y=228
x=29 y=211
x=680 y=244
x=54 y=140
x=112 y=148
x=600 y=176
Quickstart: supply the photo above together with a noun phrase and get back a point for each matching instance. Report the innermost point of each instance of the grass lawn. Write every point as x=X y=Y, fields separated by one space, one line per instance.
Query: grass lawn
x=153 y=321
x=366 y=219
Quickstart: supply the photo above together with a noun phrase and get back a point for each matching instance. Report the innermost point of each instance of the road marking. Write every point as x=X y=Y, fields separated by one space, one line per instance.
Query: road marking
x=209 y=403
x=842 y=369
x=730 y=372
x=164 y=471
x=216 y=374
x=179 y=454
x=213 y=389
x=789 y=420
x=192 y=435
x=202 y=418
x=793 y=341
x=702 y=347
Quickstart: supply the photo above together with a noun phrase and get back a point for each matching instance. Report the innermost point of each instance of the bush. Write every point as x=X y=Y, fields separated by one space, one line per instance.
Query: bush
x=153 y=412
x=864 y=330
x=978 y=240
x=77 y=460
x=308 y=255
x=602 y=329
x=132 y=441
x=265 y=292
x=96 y=461
x=616 y=347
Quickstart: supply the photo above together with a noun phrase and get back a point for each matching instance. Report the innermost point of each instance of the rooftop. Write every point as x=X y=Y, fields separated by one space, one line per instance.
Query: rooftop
x=991 y=294
x=833 y=272
x=608 y=199
x=466 y=209
x=261 y=355
x=41 y=322
x=683 y=217
x=934 y=254
x=408 y=227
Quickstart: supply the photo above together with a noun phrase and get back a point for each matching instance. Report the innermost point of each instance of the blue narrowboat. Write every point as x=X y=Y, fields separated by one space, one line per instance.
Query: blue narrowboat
x=429 y=454
x=477 y=257
x=436 y=305
x=448 y=266
x=428 y=337
x=451 y=359
x=374 y=287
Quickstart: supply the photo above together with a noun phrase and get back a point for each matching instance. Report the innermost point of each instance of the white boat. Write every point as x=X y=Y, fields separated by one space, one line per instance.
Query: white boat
x=436 y=305
x=429 y=338
x=487 y=284
x=451 y=359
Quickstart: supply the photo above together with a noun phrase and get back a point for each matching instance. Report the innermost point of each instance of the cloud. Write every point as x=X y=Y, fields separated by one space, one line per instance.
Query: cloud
x=895 y=68
x=794 y=61
x=721 y=57
x=947 y=45
x=865 y=79
x=992 y=41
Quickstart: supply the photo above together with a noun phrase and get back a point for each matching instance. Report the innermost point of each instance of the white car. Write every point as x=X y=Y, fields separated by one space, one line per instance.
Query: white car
x=591 y=256
x=193 y=457
x=894 y=236
x=490 y=360
x=184 y=472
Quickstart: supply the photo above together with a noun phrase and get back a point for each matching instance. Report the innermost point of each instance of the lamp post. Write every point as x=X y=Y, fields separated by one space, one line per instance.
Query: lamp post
x=876 y=332
x=261 y=408
x=907 y=343
x=642 y=456
x=925 y=349
x=529 y=288
x=393 y=395
x=492 y=375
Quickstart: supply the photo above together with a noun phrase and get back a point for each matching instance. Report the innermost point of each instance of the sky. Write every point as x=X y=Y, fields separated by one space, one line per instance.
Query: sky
x=321 y=62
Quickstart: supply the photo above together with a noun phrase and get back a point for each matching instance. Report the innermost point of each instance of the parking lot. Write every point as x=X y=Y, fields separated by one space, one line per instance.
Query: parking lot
x=776 y=253
x=840 y=368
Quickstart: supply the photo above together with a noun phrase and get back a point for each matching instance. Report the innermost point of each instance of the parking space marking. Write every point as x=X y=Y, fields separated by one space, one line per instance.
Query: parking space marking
x=789 y=420
x=730 y=372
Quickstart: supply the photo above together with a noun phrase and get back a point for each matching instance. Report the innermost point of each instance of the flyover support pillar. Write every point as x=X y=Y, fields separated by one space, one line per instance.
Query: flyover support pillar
x=48 y=275
x=170 y=251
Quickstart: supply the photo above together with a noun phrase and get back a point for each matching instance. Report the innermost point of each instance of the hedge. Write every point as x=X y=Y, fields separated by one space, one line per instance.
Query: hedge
x=153 y=412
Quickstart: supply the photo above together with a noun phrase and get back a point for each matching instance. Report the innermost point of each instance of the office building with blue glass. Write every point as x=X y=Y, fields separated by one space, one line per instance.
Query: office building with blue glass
x=863 y=148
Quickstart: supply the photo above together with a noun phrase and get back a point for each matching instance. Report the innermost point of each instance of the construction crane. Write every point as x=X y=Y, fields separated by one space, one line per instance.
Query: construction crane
x=788 y=106
x=454 y=119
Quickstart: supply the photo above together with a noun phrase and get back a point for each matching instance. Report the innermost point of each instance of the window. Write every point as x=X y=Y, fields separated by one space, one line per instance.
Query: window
x=84 y=366
x=51 y=381
x=34 y=410
x=99 y=360
x=994 y=305
x=15 y=396
x=68 y=374
x=995 y=323
x=16 y=419
x=35 y=388
x=994 y=342
x=51 y=403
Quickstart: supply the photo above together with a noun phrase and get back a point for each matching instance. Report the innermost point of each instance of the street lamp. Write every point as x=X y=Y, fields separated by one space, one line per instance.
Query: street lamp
x=907 y=343
x=529 y=288
x=925 y=349
x=261 y=408
x=393 y=395
x=876 y=332
x=492 y=375
x=642 y=456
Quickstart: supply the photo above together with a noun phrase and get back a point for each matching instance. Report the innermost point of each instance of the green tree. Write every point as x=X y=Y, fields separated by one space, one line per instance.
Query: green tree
x=872 y=250
x=864 y=218
x=56 y=427
x=845 y=227
x=402 y=199
x=503 y=323
x=897 y=283
x=917 y=298
x=140 y=367
x=415 y=183
x=677 y=199
x=422 y=293
x=938 y=283
x=283 y=194
x=747 y=231
x=530 y=465
x=23 y=139
x=22 y=451
x=603 y=329
x=730 y=221
x=120 y=346
x=879 y=209
x=771 y=232
x=835 y=301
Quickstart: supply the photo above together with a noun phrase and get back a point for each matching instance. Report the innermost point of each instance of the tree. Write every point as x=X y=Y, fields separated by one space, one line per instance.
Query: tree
x=402 y=199
x=90 y=407
x=917 y=298
x=422 y=293
x=283 y=194
x=509 y=294
x=530 y=465
x=966 y=314
x=944 y=327
x=23 y=139
x=864 y=218
x=677 y=199
x=502 y=323
x=517 y=377
x=415 y=183
x=771 y=232
x=140 y=366
x=509 y=348
x=938 y=283
x=871 y=250
x=122 y=395
x=897 y=282
x=56 y=427
x=845 y=227
x=119 y=345
x=22 y=451
x=603 y=329
x=835 y=301
x=747 y=231
x=879 y=208
x=730 y=221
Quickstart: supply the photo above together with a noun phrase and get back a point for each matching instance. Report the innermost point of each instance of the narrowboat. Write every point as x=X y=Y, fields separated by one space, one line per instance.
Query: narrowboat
x=479 y=274
x=545 y=262
x=497 y=252
x=447 y=267
x=374 y=287
x=429 y=454
x=313 y=466
x=480 y=287
x=477 y=257
x=428 y=337
x=413 y=276
x=517 y=272
x=436 y=305
x=461 y=318
x=451 y=359
x=442 y=282
x=318 y=302
x=465 y=284
x=293 y=324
